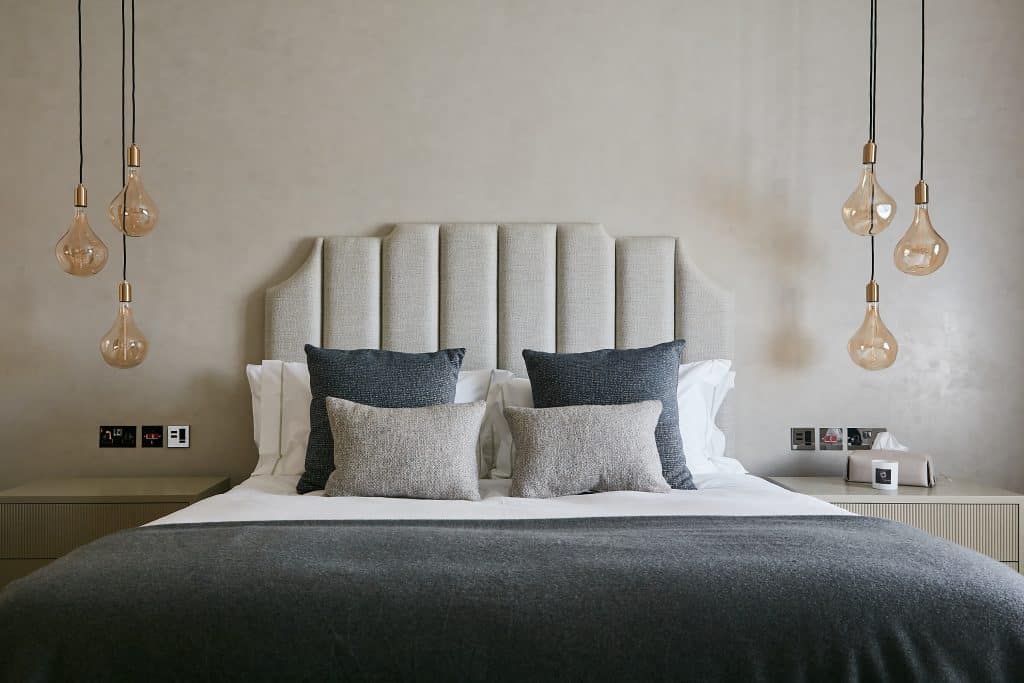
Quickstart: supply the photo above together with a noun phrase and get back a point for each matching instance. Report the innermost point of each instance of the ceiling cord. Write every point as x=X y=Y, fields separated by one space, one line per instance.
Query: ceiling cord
x=124 y=196
x=81 y=142
x=872 y=84
x=871 y=71
x=921 y=174
x=872 y=89
x=133 y=72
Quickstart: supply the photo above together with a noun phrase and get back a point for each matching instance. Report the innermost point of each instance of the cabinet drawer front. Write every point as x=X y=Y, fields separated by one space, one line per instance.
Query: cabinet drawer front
x=46 y=530
x=989 y=529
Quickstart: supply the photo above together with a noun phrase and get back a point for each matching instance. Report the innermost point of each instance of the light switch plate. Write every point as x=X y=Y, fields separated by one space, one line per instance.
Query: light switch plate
x=861 y=438
x=152 y=436
x=830 y=438
x=178 y=436
x=801 y=438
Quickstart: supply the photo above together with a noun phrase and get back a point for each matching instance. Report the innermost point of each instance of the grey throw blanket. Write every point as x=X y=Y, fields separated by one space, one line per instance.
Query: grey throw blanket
x=621 y=599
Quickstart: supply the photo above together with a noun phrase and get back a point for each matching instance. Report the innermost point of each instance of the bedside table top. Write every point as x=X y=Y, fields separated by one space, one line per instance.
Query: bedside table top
x=116 y=490
x=837 y=489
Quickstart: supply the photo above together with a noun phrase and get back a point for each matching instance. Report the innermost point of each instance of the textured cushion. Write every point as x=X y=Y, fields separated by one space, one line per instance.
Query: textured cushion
x=616 y=376
x=386 y=379
x=405 y=452
x=562 y=451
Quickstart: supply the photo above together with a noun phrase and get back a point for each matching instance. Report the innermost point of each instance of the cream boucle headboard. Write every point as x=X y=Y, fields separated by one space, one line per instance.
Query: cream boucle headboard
x=497 y=288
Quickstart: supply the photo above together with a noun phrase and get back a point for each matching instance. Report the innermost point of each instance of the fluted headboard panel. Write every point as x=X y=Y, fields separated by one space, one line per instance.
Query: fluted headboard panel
x=497 y=288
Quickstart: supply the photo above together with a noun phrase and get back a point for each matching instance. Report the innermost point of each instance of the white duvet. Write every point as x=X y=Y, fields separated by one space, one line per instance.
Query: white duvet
x=267 y=497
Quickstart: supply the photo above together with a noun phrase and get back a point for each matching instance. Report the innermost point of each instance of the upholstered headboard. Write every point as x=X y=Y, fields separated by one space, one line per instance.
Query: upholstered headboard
x=497 y=288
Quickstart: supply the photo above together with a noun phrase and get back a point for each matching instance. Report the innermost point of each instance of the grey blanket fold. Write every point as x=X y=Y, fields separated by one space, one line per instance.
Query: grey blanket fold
x=600 y=599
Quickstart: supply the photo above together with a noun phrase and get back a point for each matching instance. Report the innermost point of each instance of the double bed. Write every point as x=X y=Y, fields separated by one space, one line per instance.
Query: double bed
x=736 y=580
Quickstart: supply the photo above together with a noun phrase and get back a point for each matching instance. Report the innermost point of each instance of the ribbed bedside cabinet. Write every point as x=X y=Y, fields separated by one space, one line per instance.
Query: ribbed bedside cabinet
x=982 y=518
x=44 y=519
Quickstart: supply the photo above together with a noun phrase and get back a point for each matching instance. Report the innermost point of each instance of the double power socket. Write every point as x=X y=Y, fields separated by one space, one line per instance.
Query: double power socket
x=832 y=438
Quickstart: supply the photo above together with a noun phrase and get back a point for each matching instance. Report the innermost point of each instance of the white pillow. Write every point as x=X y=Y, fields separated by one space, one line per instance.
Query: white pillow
x=702 y=388
x=281 y=396
x=696 y=394
x=295 y=399
x=252 y=373
x=514 y=393
x=494 y=418
x=270 y=417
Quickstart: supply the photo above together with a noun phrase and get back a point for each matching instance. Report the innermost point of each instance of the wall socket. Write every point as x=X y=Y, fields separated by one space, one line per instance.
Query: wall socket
x=861 y=438
x=801 y=438
x=178 y=436
x=117 y=436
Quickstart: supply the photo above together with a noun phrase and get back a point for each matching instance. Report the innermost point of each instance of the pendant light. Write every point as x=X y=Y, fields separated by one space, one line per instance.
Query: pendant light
x=869 y=211
x=80 y=251
x=132 y=210
x=124 y=345
x=872 y=346
x=921 y=251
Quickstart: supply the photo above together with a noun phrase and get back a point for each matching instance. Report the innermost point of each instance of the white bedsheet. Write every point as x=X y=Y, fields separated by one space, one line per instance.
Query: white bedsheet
x=269 y=497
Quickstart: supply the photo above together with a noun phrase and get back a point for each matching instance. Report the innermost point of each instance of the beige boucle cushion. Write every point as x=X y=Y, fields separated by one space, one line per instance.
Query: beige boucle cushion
x=427 y=452
x=575 y=449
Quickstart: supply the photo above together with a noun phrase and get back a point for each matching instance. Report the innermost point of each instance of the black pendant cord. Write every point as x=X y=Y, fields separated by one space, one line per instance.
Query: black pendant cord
x=872 y=257
x=872 y=49
x=872 y=85
x=921 y=173
x=133 y=72
x=81 y=141
x=124 y=195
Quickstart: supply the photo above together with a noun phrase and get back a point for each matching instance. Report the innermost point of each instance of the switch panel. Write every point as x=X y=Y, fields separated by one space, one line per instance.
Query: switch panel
x=178 y=436
x=117 y=436
x=152 y=436
x=830 y=438
x=801 y=438
x=861 y=438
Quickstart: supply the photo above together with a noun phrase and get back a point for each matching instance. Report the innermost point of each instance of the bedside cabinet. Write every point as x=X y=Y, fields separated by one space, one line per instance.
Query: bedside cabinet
x=44 y=519
x=982 y=518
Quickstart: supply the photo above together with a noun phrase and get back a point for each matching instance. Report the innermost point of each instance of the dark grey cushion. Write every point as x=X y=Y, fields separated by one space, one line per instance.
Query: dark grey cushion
x=613 y=377
x=576 y=449
x=385 y=379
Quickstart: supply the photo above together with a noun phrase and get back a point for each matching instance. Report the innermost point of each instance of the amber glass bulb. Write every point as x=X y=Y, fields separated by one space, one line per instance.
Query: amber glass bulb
x=873 y=346
x=80 y=251
x=857 y=209
x=921 y=250
x=124 y=345
x=141 y=214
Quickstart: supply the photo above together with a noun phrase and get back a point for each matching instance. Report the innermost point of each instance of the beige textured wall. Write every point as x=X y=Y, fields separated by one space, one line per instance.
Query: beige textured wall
x=735 y=125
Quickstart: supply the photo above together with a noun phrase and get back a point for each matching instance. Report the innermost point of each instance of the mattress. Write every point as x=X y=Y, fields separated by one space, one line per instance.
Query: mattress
x=267 y=498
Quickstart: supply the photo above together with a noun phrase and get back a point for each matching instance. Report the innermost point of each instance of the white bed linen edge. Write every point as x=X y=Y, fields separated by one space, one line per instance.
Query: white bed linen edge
x=273 y=497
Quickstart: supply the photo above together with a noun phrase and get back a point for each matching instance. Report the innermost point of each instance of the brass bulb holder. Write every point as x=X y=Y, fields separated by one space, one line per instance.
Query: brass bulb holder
x=134 y=156
x=81 y=196
x=124 y=291
x=869 y=152
x=921 y=193
x=871 y=292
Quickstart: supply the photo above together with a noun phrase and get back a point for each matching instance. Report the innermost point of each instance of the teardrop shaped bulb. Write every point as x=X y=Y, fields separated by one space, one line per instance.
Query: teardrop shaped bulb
x=124 y=345
x=858 y=207
x=873 y=346
x=141 y=214
x=921 y=250
x=80 y=251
